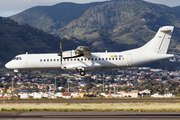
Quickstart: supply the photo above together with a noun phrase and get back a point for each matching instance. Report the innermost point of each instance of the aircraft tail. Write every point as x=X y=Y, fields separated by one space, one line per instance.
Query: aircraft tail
x=160 y=43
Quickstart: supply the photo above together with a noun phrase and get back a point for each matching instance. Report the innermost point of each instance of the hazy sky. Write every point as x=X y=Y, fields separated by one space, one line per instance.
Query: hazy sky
x=11 y=7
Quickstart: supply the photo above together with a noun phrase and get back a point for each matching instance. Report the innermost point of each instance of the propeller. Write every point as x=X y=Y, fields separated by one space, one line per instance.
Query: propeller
x=60 y=53
x=80 y=51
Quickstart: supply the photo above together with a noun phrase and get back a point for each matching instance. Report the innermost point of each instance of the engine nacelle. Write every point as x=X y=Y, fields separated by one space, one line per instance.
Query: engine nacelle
x=83 y=50
x=69 y=53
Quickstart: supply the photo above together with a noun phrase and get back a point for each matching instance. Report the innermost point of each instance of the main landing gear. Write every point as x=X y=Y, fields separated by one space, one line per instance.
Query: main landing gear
x=82 y=73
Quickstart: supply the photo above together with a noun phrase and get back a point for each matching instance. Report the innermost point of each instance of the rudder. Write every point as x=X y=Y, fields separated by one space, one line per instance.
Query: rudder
x=160 y=43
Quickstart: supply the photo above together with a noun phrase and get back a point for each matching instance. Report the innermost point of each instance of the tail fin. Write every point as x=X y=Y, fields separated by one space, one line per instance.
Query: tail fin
x=160 y=43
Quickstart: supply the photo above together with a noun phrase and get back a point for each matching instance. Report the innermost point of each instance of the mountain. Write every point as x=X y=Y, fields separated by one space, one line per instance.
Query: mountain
x=18 y=39
x=104 y=24
x=50 y=18
x=53 y=17
x=133 y=22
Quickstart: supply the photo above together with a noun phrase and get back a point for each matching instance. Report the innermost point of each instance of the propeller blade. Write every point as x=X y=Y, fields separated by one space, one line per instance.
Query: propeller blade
x=60 y=53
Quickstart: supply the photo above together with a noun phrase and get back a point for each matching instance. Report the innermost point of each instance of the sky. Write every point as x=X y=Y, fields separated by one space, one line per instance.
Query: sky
x=11 y=7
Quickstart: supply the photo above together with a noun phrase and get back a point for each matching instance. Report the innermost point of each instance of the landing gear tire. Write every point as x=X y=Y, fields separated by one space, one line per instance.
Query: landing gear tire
x=15 y=74
x=82 y=73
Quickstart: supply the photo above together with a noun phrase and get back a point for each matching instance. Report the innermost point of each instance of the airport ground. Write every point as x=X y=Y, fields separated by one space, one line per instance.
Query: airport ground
x=94 y=100
x=101 y=105
x=91 y=109
x=89 y=116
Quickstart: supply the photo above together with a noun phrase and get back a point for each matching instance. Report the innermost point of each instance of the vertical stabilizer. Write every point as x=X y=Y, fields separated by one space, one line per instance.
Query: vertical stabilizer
x=160 y=43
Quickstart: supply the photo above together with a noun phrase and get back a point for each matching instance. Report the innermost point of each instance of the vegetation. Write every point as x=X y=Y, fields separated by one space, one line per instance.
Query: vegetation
x=101 y=107
x=18 y=39
x=107 y=23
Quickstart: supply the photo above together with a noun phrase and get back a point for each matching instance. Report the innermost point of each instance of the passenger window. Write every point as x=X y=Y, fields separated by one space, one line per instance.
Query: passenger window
x=78 y=59
x=51 y=59
x=74 y=59
x=95 y=58
x=116 y=58
x=99 y=58
x=47 y=60
x=71 y=59
x=64 y=59
x=82 y=59
x=119 y=58
x=109 y=58
x=67 y=59
x=54 y=59
x=106 y=59
x=57 y=59
x=44 y=60
x=112 y=58
x=40 y=60
x=92 y=59
x=102 y=58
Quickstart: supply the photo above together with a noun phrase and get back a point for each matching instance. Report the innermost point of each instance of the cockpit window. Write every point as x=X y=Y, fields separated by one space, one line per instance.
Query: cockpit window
x=17 y=58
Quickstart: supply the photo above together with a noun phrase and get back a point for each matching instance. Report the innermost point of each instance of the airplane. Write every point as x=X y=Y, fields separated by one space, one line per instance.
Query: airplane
x=82 y=60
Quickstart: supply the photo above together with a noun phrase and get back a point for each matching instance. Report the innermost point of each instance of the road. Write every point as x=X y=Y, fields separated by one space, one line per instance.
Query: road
x=89 y=115
x=165 y=100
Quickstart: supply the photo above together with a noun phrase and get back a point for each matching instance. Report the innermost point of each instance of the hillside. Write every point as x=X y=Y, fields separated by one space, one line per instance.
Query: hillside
x=104 y=24
x=123 y=22
x=53 y=17
x=19 y=39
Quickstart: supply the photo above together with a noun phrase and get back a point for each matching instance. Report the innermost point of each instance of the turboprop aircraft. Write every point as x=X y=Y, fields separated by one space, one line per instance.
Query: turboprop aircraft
x=82 y=59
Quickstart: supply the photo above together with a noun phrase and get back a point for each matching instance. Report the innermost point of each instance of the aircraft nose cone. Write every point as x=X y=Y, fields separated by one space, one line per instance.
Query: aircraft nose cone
x=7 y=65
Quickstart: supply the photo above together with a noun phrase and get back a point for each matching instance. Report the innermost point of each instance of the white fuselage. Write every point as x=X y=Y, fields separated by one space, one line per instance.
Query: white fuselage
x=154 y=50
x=106 y=60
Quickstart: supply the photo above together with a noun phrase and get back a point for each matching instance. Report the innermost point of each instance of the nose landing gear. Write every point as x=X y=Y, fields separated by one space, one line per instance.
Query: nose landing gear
x=15 y=73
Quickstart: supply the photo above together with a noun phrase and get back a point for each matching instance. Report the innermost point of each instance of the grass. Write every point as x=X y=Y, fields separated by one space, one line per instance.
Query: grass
x=90 y=98
x=101 y=107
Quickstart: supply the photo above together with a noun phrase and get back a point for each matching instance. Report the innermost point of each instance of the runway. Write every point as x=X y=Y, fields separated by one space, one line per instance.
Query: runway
x=155 y=100
x=89 y=115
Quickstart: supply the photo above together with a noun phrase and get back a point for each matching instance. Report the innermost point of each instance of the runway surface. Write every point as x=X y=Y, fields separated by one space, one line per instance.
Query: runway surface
x=90 y=115
x=165 y=100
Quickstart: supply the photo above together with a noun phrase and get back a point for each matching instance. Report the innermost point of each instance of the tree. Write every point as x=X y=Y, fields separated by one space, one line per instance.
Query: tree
x=47 y=88
x=16 y=91
x=1 y=85
x=161 y=91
